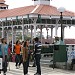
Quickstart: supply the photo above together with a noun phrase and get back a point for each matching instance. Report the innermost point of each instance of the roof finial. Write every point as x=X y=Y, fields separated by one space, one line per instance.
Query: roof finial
x=44 y=2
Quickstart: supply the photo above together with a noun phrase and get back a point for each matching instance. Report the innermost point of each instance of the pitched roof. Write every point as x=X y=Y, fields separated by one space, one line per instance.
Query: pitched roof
x=3 y=5
x=36 y=9
x=2 y=1
x=16 y=12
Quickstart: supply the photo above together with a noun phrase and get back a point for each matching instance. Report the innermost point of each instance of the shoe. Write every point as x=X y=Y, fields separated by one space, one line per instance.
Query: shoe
x=4 y=73
x=33 y=66
x=0 y=72
x=29 y=66
x=37 y=74
x=17 y=67
x=70 y=69
x=26 y=74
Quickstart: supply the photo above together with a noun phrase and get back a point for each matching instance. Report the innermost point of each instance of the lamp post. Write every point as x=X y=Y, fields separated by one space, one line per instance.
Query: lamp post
x=61 y=10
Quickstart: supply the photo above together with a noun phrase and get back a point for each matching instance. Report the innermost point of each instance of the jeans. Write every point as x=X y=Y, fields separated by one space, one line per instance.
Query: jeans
x=17 y=59
x=4 y=64
x=25 y=67
x=37 y=59
x=21 y=60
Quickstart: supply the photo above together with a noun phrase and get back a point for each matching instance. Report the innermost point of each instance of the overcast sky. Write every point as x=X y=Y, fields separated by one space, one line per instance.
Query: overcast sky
x=67 y=4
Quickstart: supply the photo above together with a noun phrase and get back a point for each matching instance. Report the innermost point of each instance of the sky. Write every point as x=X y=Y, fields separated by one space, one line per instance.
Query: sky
x=67 y=4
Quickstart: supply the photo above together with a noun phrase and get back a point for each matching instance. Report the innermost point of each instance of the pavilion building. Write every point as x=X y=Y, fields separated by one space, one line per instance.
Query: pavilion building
x=40 y=15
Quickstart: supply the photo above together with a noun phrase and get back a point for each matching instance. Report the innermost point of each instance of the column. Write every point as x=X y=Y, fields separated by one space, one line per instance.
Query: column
x=27 y=29
x=47 y=31
x=2 y=30
x=12 y=34
x=34 y=21
x=5 y=33
x=31 y=34
x=41 y=34
x=56 y=27
x=22 y=30
x=8 y=37
x=52 y=34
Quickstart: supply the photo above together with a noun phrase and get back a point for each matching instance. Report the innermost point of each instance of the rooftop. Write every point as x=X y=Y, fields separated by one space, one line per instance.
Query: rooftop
x=34 y=9
x=2 y=1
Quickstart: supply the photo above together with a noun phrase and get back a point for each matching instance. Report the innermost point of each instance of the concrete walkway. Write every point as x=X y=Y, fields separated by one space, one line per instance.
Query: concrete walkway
x=32 y=70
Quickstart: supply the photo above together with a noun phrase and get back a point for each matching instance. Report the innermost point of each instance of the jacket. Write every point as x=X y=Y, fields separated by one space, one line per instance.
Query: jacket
x=25 y=53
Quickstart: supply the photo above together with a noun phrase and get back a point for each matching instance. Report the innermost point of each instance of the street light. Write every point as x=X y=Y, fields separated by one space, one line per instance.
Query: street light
x=61 y=10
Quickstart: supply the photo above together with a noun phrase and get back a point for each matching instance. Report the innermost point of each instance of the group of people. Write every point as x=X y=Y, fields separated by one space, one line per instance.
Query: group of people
x=22 y=55
x=23 y=52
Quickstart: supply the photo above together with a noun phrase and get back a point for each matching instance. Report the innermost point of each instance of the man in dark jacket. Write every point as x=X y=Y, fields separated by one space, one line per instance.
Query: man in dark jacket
x=37 y=53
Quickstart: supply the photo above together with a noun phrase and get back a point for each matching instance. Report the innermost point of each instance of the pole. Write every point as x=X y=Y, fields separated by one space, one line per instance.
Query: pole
x=61 y=20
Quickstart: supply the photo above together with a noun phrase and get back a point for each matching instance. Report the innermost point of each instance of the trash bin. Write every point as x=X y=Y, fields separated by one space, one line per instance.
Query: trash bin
x=60 y=53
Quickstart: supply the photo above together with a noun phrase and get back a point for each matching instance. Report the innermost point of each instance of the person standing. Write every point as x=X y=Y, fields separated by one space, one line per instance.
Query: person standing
x=29 y=53
x=34 y=62
x=37 y=53
x=25 y=58
x=21 y=53
x=17 y=49
x=73 y=59
x=4 y=49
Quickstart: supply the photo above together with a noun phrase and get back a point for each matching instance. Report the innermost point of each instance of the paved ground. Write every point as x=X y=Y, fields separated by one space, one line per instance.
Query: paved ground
x=32 y=70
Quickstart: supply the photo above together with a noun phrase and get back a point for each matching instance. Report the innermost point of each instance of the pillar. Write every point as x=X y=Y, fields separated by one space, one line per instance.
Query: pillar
x=56 y=27
x=31 y=34
x=34 y=30
x=22 y=30
x=34 y=24
x=27 y=29
x=8 y=37
x=2 y=30
x=41 y=34
x=52 y=34
x=12 y=34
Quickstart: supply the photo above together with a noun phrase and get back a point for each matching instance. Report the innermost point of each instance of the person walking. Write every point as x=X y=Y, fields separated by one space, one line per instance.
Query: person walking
x=4 y=49
x=25 y=58
x=17 y=49
x=37 y=53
